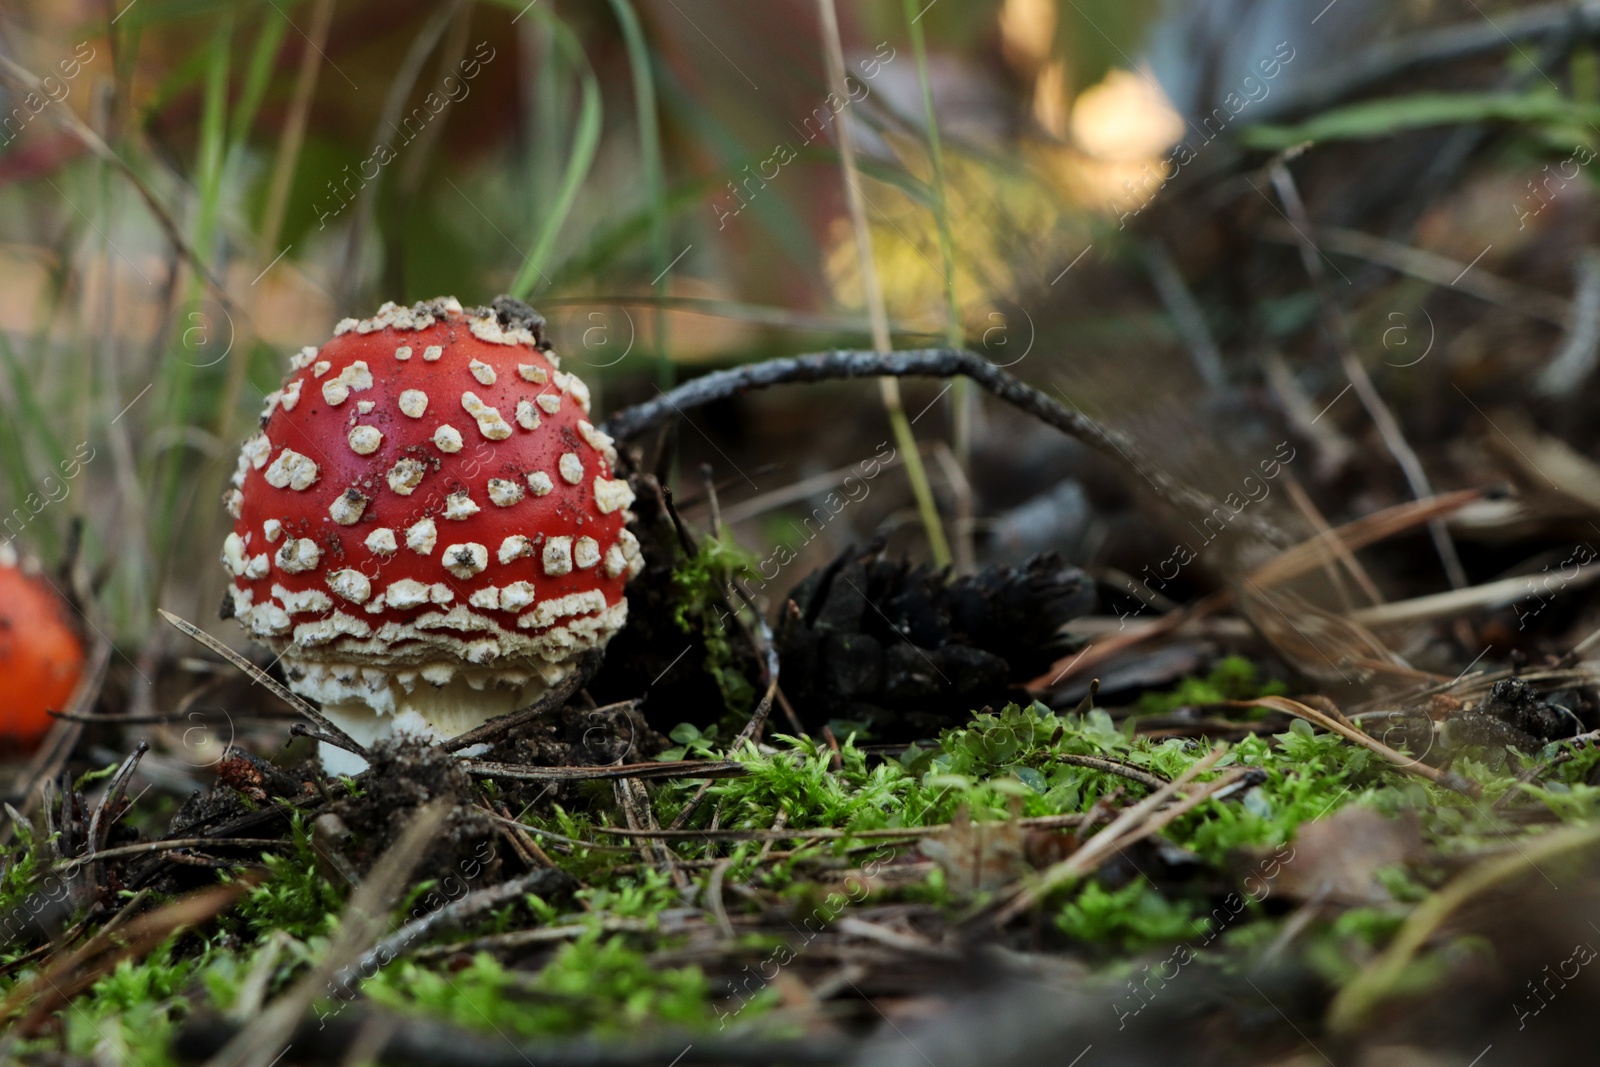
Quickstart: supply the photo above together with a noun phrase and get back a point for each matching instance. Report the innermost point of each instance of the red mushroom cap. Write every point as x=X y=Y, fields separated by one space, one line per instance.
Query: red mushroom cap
x=426 y=497
x=41 y=656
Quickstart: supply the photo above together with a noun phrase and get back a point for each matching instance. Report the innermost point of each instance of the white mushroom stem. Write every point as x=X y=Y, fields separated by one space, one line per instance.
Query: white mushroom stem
x=372 y=705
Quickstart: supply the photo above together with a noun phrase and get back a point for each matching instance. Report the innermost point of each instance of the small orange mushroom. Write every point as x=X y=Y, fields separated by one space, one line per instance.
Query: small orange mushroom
x=40 y=653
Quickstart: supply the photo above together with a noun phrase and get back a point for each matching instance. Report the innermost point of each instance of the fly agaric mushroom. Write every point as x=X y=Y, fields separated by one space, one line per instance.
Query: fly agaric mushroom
x=40 y=654
x=426 y=527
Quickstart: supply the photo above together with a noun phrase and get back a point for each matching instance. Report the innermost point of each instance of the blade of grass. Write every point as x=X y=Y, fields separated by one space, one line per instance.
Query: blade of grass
x=257 y=77
x=585 y=140
x=294 y=127
x=833 y=51
x=961 y=394
x=1383 y=979
x=644 y=97
x=181 y=374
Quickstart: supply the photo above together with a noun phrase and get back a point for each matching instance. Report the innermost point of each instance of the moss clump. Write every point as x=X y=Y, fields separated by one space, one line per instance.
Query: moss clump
x=594 y=985
x=701 y=584
x=1232 y=678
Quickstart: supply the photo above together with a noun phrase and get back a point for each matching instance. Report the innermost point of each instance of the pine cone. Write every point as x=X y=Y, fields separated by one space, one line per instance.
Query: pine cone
x=904 y=652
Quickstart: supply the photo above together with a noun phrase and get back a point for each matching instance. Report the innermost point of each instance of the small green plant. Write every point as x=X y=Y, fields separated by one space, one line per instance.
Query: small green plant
x=295 y=897
x=1132 y=918
x=692 y=743
x=1232 y=678
x=701 y=584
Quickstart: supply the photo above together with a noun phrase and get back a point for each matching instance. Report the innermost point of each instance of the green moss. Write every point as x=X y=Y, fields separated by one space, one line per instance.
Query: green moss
x=701 y=584
x=1233 y=678
x=294 y=898
x=594 y=985
x=1132 y=918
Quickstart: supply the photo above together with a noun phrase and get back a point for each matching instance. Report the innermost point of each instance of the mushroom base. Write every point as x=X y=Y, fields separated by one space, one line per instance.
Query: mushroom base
x=424 y=710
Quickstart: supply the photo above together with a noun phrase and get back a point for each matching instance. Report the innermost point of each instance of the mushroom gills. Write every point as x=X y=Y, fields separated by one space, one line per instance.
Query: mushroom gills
x=371 y=708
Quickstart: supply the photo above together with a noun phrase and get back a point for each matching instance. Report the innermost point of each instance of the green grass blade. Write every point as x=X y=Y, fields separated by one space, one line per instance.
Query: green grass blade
x=644 y=93
x=182 y=376
x=585 y=141
x=256 y=79
x=961 y=398
x=1396 y=114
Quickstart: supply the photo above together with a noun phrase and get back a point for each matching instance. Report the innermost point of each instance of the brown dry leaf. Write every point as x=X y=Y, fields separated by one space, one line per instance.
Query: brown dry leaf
x=1336 y=859
x=977 y=856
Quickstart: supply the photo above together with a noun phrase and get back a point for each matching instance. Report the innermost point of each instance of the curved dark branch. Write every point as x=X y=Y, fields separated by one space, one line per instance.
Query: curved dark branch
x=923 y=363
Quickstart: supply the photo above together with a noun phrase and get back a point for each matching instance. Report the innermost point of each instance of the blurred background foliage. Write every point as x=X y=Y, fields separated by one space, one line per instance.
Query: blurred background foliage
x=216 y=184
x=191 y=190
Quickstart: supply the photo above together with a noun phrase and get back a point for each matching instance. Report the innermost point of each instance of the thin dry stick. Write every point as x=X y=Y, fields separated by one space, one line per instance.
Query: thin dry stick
x=1430 y=267
x=75 y=972
x=710 y=768
x=528 y=849
x=169 y=844
x=635 y=803
x=1369 y=529
x=714 y=904
x=1453 y=603
x=1341 y=551
x=1104 y=649
x=551 y=834
x=1344 y=728
x=833 y=52
x=1111 y=766
x=538 y=936
x=1377 y=981
x=1388 y=427
x=1034 y=822
x=797 y=491
x=1575 y=361
x=751 y=731
x=1334 y=450
x=1104 y=843
x=325 y=725
x=779 y=821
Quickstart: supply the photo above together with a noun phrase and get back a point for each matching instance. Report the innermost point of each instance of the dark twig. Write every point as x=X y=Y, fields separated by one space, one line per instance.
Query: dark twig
x=1033 y=822
x=300 y=729
x=767 y=648
x=711 y=768
x=552 y=700
x=922 y=363
x=99 y=825
x=330 y=732
x=635 y=802
x=174 y=843
x=1111 y=766
x=752 y=730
